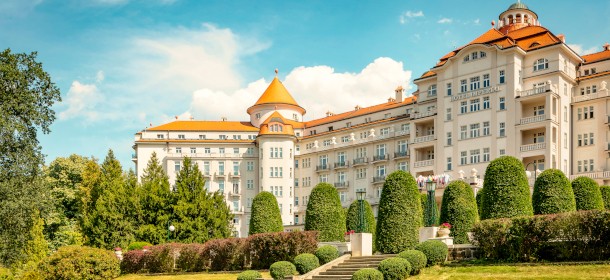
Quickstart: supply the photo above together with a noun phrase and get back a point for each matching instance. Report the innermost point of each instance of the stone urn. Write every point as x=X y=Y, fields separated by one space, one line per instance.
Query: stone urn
x=443 y=232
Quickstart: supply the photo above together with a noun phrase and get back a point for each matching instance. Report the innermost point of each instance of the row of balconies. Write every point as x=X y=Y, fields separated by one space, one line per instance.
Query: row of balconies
x=212 y=155
x=233 y=174
x=361 y=161
x=353 y=141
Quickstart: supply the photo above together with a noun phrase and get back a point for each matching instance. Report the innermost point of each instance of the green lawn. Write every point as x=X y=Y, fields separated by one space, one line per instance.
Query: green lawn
x=539 y=272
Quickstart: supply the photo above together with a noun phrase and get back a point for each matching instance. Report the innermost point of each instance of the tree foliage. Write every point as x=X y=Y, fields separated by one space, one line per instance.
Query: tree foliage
x=605 y=190
x=507 y=193
x=423 y=199
x=352 y=220
x=459 y=208
x=587 y=194
x=199 y=216
x=325 y=214
x=265 y=215
x=27 y=95
x=553 y=193
x=399 y=217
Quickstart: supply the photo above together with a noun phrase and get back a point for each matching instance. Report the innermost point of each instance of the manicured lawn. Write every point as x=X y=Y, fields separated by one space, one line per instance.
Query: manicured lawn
x=189 y=276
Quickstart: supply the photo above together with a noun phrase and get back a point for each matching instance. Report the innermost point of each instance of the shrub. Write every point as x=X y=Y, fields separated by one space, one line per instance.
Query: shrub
x=479 y=198
x=225 y=254
x=587 y=194
x=553 y=193
x=325 y=214
x=265 y=214
x=191 y=258
x=605 y=190
x=5 y=274
x=352 y=219
x=399 y=216
x=491 y=238
x=507 y=193
x=459 y=208
x=425 y=212
x=161 y=258
x=249 y=275
x=367 y=274
x=267 y=248
x=306 y=262
x=326 y=253
x=79 y=262
x=137 y=245
x=394 y=268
x=281 y=269
x=133 y=261
x=416 y=258
x=435 y=251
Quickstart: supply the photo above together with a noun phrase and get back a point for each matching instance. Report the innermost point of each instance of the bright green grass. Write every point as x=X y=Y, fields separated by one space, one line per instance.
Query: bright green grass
x=518 y=272
x=189 y=276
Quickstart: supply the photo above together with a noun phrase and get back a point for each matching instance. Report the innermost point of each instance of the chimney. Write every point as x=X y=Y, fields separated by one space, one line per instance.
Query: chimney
x=357 y=107
x=224 y=119
x=562 y=38
x=398 y=91
x=329 y=113
x=606 y=47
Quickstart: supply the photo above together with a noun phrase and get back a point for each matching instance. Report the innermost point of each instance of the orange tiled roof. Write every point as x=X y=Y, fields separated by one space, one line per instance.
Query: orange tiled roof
x=427 y=74
x=598 y=56
x=276 y=93
x=276 y=117
x=360 y=112
x=598 y=74
x=195 y=141
x=204 y=125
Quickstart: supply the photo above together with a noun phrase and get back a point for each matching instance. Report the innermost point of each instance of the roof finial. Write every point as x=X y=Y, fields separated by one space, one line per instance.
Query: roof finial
x=276 y=72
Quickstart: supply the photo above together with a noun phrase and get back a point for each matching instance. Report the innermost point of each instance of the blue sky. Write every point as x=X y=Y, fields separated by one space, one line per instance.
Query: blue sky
x=125 y=64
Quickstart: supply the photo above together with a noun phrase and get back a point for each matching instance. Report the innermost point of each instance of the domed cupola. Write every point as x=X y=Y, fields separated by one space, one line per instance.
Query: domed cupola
x=517 y=16
x=275 y=98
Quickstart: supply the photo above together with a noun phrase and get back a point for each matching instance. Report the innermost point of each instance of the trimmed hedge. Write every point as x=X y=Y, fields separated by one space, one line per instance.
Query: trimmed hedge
x=553 y=193
x=507 y=193
x=571 y=236
x=605 y=190
x=161 y=258
x=191 y=258
x=369 y=218
x=225 y=254
x=267 y=248
x=281 y=269
x=265 y=215
x=423 y=199
x=138 y=245
x=399 y=216
x=249 y=275
x=435 y=251
x=80 y=262
x=367 y=274
x=459 y=208
x=394 y=268
x=306 y=262
x=416 y=258
x=134 y=261
x=325 y=214
x=587 y=194
x=327 y=253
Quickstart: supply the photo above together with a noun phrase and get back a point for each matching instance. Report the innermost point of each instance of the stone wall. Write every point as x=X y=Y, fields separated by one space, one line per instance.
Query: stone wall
x=462 y=252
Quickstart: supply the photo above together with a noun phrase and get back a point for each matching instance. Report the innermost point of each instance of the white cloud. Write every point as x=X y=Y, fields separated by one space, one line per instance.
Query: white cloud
x=445 y=20
x=99 y=77
x=318 y=89
x=410 y=14
x=81 y=101
x=477 y=21
x=580 y=49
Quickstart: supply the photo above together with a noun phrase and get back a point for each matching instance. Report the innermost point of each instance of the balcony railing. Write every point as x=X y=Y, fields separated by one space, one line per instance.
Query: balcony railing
x=423 y=114
x=533 y=147
x=323 y=167
x=402 y=132
x=533 y=119
x=341 y=164
x=592 y=175
x=599 y=94
x=378 y=179
x=238 y=210
x=341 y=185
x=220 y=174
x=534 y=91
x=207 y=174
x=360 y=161
x=424 y=163
x=235 y=174
x=401 y=154
x=422 y=139
x=382 y=157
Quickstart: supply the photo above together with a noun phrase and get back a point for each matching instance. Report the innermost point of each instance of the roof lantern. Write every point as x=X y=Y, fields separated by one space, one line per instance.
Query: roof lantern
x=517 y=16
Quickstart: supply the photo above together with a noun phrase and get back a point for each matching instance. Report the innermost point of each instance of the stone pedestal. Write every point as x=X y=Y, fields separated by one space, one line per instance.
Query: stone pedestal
x=426 y=233
x=362 y=244
x=447 y=240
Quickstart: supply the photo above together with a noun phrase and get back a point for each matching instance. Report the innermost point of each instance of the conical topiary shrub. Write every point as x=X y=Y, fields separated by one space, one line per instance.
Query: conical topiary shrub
x=325 y=214
x=459 y=208
x=506 y=191
x=587 y=194
x=265 y=214
x=553 y=193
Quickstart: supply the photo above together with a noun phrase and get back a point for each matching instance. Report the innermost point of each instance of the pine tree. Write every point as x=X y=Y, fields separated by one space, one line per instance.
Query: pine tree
x=198 y=215
x=87 y=195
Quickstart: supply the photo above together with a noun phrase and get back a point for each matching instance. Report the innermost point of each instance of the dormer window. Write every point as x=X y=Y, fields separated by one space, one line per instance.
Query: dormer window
x=276 y=128
x=258 y=116
x=467 y=58
x=541 y=64
x=482 y=54
x=475 y=55
x=432 y=90
x=181 y=136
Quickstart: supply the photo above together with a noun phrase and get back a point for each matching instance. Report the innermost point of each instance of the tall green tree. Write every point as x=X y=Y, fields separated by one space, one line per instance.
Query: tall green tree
x=27 y=95
x=87 y=194
x=324 y=213
x=266 y=216
x=199 y=216
x=155 y=203
x=506 y=191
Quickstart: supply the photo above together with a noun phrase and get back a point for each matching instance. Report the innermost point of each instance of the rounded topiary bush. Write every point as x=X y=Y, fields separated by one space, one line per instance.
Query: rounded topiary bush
x=138 y=245
x=281 y=269
x=79 y=262
x=553 y=193
x=265 y=215
x=249 y=275
x=507 y=193
x=367 y=274
x=416 y=258
x=605 y=190
x=459 y=208
x=587 y=194
x=325 y=214
x=435 y=251
x=306 y=262
x=394 y=268
x=326 y=253
x=369 y=218
x=400 y=214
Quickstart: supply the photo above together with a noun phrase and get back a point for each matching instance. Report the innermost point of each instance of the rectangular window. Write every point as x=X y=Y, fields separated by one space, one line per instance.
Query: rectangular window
x=449 y=139
x=475 y=105
x=449 y=166
x=221 y=150
x=250 y=184
x=221 y=168
x=463 y=132
x=193 y=150
x=502 y=152
x=474 y=130
x=432 y=90
x=486 y=103
x=236 y=150
x=590 y=112
x=160 y=136
x=380 y=171
x=178 y=150
x=402 y=166
x=206 y=168
x=486 y=80
x=361 y=173
x=579 y=166
x=463 y=86
x=463 y=158
x=475 y=83
x=177 y=166
x=181 y=136
x=448 y=114
x=502 y=79
x=579 y=140
x=591 y=138
x=502 y=105
x=486 y=157
x=485 y=128
x=475 y=156
x=502 y=130
x=221 y=186
x=235 y=168
x=591 y=166
x=448 y=89
x=463 y=107
x=250 y=166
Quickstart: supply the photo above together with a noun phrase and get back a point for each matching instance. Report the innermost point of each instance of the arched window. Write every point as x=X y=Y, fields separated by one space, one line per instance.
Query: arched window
x=466 y=58
x=541 y=64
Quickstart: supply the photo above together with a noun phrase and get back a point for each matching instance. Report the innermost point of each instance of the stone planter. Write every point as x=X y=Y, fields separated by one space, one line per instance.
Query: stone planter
x=426 y=233
x=443 y=232
x=362 y=244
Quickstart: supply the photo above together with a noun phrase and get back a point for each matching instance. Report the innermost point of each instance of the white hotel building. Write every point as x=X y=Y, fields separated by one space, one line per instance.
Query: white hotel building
x=516 y=90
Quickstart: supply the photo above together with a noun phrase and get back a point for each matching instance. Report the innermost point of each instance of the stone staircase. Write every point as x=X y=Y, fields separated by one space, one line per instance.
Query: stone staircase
x=345 y=270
